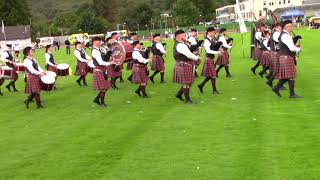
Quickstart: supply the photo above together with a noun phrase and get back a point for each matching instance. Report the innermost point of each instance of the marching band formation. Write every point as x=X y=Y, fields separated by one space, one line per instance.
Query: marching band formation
x=275 y=50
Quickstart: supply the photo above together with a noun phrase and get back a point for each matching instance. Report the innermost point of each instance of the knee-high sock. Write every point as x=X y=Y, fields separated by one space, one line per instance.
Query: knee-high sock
x=219 y=68
x=180 y=92
x=291 y=87
x=102 y=95
x=155 y=73
x=84 y=80
x=264 y=69
x=256 y=66
x=271 y=78
x=205 y=81
x=227 y=70
x=143 y=89
x=37 y=98
x=162 y=76
x=186 y=92
x=213 y=83
x=280 y=84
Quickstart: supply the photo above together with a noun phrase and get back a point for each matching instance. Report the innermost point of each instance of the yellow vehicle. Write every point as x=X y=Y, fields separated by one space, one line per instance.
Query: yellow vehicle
x=82 y=37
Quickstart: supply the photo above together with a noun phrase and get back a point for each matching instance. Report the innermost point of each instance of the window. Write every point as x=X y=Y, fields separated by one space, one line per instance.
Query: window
x=260 y=13
x=284 y=1
x=288 y=1
x=264 y=3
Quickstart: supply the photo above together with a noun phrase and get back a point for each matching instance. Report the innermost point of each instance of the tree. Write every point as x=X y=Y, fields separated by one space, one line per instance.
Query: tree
x=91 y=23
x=185 y=13
x=14 y=12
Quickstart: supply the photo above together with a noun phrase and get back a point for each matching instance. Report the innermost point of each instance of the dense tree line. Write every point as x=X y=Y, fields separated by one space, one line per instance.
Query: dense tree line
x=99 y=16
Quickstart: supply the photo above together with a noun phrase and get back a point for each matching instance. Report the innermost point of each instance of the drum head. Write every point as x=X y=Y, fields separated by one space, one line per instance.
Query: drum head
x=48 y=79
x=63 y=66
x=118 y=52
x=50 y=74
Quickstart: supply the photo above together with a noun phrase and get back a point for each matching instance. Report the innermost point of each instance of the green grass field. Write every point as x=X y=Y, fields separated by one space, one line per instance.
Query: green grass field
x=245 y=133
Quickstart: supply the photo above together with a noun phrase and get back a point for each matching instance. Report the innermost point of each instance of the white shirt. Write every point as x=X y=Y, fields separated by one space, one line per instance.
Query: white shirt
x=138 y=56
x=47 y=56
x=184 y=49
x=224 y=42
x=160 y=47
x=78 y=55
x=96 y=54
x=276 y=36
x=192 y=40
x=4 y=56
x=258 y=36
x=265 y=43
x=28 y=64
x=286 y=38
x=207 y=45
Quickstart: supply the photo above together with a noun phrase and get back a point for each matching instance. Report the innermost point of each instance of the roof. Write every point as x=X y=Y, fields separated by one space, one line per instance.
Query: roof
x=16 y=32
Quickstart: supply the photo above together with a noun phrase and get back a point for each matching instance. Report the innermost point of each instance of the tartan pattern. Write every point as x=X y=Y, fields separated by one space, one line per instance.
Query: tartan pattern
x=287 y=68
x=157 y=63
x=197 y=63
x=82 y=69
x=274 y=61
x=209 y=68
x=32 y=84
x=183 y=72
x=139 y=74
x=52 y=68
x=100 y=80
x=113 y=73
x=257 y=54
x=223 y=58
x=265 y=59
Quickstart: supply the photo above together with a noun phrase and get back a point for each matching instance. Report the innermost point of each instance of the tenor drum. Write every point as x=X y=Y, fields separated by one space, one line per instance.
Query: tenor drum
x=63 y=69
x=121 y=52
x=91 y=66
x=20 y=68
x=47 y=81
x=6 y=72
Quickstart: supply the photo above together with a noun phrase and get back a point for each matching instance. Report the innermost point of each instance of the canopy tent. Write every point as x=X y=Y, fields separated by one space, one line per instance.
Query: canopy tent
x=292 y=13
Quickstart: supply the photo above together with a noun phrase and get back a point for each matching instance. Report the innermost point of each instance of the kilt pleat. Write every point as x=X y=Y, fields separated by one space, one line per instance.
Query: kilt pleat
x=139 y=74
x=183 y=72
x=257 y=54
x=287 y=68
x=157 y=63
x=209 y=68
x=112 y=72
x=82 y=69
x=223 y=58
x=32 y=84
x=274 y=62
x=100 y=80
x=265 y=59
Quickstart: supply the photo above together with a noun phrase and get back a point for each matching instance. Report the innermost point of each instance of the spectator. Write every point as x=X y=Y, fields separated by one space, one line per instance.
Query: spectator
x=68 y=44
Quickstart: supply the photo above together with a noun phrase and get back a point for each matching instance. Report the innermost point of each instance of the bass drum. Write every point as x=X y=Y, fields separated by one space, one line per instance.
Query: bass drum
x=121 y=52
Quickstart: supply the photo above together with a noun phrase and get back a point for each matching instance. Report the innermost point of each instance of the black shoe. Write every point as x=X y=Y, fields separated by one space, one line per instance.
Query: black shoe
x=267 y=77
x=26 y=103
x=180 y=97
x=85 y=84
x=216 y=92
x=269 y=84
x=145 y=96
x=39 y=106
x=96 y=100
x=151 y=79
x=200 y=88
x=189 y=102
x=138 y=92
x=129 y=79
x=228 y=76
x=261 y=74
x=8 y=87
x=295 y=96
x=253 y=70
x=162 y=82
x=277 y=92
x=103 y=105
x=78 y=81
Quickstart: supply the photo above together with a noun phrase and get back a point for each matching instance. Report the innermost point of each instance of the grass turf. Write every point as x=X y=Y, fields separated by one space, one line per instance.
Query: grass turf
x=245 y=133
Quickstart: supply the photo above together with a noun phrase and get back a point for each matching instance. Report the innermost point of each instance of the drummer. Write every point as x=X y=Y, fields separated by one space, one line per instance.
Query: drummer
x=50 y=64
x=82 y=63
x=8 y=57
x=115 y=37
x=33 y=74
x=113 y=72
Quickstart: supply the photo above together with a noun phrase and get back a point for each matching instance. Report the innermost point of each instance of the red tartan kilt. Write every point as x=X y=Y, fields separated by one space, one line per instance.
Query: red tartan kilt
x=157 y=63
x=223 y=59
x=183 y=73
x=274 y=62
x=287 y=68
x=100 y=80
x=82 y=69
x=139 y=74
x=113 y=73
x=129 y=65
x=209 y=68
x=32 y=84
x=52 y=68
x=265 y=58
x=257 y=54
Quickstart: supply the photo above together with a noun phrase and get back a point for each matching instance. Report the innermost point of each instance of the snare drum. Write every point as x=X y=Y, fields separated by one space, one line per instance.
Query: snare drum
x=91 y=66
x=6 y=72
x=47 y=81
x=20 y=68
x=63 y=69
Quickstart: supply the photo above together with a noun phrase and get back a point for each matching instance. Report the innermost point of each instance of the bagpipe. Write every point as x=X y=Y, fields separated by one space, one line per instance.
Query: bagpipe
x=196 y=47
